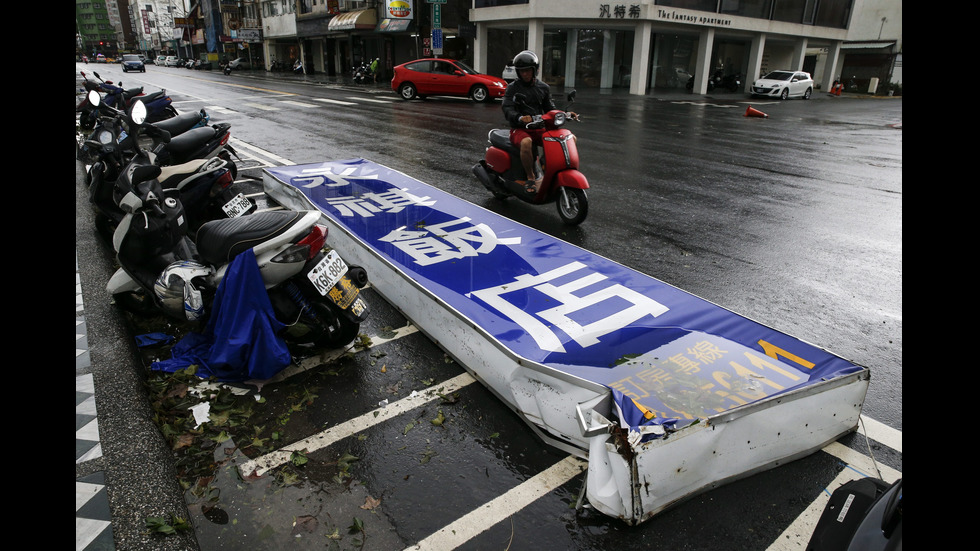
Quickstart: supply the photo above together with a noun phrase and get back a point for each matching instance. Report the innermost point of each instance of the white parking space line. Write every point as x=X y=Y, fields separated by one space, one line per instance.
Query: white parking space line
x=260 y=465
x=502 y=507
x=261 y=152
x=219 y=109
x=881 y=433
x=857 y=465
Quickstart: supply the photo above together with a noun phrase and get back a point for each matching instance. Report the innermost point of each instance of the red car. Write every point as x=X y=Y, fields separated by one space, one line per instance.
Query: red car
x=444 y=77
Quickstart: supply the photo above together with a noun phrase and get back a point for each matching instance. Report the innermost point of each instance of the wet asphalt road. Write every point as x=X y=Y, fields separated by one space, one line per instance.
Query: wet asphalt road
x=793 y=220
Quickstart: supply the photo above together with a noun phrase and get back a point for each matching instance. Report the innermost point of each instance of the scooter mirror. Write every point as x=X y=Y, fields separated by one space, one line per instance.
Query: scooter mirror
x=94 y=98
x=96 y=75
x=138 y=112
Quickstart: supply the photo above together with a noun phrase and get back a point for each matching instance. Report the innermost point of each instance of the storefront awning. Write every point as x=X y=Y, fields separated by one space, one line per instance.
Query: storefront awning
x=354 y=20
x=866 y=45
x=393 y=25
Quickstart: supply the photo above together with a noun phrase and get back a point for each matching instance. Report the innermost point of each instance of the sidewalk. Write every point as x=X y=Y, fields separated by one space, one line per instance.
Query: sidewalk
x=124 y=470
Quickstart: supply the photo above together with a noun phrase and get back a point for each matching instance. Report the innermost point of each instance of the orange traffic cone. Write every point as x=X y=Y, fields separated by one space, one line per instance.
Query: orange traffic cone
x=838 y=90
x=750 y=112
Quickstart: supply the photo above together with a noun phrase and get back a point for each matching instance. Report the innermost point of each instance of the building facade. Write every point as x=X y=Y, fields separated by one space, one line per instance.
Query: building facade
x=95 y=28
x=643 y=46
x=646 y=45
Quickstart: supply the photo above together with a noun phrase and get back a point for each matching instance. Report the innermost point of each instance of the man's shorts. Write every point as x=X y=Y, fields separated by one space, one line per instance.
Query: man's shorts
x=517 y=135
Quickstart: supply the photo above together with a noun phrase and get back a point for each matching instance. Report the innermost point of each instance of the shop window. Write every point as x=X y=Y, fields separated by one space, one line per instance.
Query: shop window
x=747 y=8
x=793 y=11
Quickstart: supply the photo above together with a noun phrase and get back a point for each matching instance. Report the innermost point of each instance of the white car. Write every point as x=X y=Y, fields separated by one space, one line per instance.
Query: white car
x=171 y=61
x=509 y=74
x=784 y=85
x=239 y=63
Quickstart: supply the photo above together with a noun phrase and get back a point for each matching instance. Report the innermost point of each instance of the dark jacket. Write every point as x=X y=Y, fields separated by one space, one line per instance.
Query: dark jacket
x=537 y=99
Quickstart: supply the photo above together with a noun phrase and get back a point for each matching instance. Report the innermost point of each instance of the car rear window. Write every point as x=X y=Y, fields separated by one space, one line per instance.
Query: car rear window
x=131 y=58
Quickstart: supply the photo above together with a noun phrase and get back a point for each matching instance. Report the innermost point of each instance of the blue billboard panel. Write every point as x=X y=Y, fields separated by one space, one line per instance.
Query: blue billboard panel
x=665 y=353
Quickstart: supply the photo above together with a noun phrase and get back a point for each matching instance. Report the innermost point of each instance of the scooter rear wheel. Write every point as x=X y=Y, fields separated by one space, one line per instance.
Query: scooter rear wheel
x=327 y=330
x=573 y=205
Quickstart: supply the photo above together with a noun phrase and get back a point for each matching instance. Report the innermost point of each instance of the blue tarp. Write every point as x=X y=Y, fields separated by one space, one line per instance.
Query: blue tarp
x=240 y=341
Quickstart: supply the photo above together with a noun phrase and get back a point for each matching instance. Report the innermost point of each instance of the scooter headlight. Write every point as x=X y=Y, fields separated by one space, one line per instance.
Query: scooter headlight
x=559 y=119
x=105 y=137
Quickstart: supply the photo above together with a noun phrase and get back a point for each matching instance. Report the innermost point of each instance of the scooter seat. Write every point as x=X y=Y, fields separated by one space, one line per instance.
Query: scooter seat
x=171 y=176
x=132 y=92
x=500 y=138
x=180 y=124
x=149 y=98
x=219 y=241
x=189 y=141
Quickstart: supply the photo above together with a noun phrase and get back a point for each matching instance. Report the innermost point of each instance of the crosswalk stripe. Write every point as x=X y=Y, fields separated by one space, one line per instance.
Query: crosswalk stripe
x=262 y=106
x=372 y=100
x=334 y=101
x=297 y=103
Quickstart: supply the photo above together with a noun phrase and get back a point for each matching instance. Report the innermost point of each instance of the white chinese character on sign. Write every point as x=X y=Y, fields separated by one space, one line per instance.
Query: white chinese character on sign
x=395 y=200
x=437 y=243
x=327 y=177
x=369 y=204
x=619 y=306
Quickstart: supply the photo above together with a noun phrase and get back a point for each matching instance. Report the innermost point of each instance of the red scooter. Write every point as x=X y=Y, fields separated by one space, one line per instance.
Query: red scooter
x=563 y=184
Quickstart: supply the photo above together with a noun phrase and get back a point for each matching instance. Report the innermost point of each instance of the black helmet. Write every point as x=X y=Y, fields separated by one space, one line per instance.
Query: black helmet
x=526 y=60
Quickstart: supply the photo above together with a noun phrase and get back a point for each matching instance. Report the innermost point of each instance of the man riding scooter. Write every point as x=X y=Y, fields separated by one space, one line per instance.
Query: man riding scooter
x=537 y=101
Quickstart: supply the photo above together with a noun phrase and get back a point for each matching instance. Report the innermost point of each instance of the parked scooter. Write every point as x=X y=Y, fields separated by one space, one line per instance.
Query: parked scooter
x=199 y=142
x=158 y=104
x=732 y=82
x=562 y=182
x=362 y=73
x=298 y=67
x=86 y=116
x=313 y=292
x=204 y=185
x=690 y=84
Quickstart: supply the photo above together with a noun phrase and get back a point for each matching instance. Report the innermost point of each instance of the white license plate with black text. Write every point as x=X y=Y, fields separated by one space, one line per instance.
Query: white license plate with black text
x=327 y=272
x=238 y=206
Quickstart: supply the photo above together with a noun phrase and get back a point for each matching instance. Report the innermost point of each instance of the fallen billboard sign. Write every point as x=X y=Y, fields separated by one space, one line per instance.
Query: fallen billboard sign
x=664 y=393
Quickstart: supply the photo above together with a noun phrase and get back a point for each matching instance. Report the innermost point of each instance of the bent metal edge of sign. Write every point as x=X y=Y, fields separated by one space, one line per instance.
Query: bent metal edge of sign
x=605 y=362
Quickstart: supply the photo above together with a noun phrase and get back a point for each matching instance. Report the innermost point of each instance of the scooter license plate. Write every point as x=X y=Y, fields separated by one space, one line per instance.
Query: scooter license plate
x=238 y=206
x=327 y=272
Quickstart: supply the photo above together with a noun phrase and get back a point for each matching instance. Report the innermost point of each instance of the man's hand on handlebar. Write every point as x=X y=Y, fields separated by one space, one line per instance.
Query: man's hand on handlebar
x=573 y=115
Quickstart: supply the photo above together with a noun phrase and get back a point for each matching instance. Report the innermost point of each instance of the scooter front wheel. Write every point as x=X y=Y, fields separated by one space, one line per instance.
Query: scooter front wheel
x=573 y=205
x=136 y=302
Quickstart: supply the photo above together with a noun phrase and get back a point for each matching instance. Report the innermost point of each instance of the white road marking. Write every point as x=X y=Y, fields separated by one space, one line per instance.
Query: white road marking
x=500 y=508
x=334 y=101
x=261 y=106
x=298 y=103
x=259 y=465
